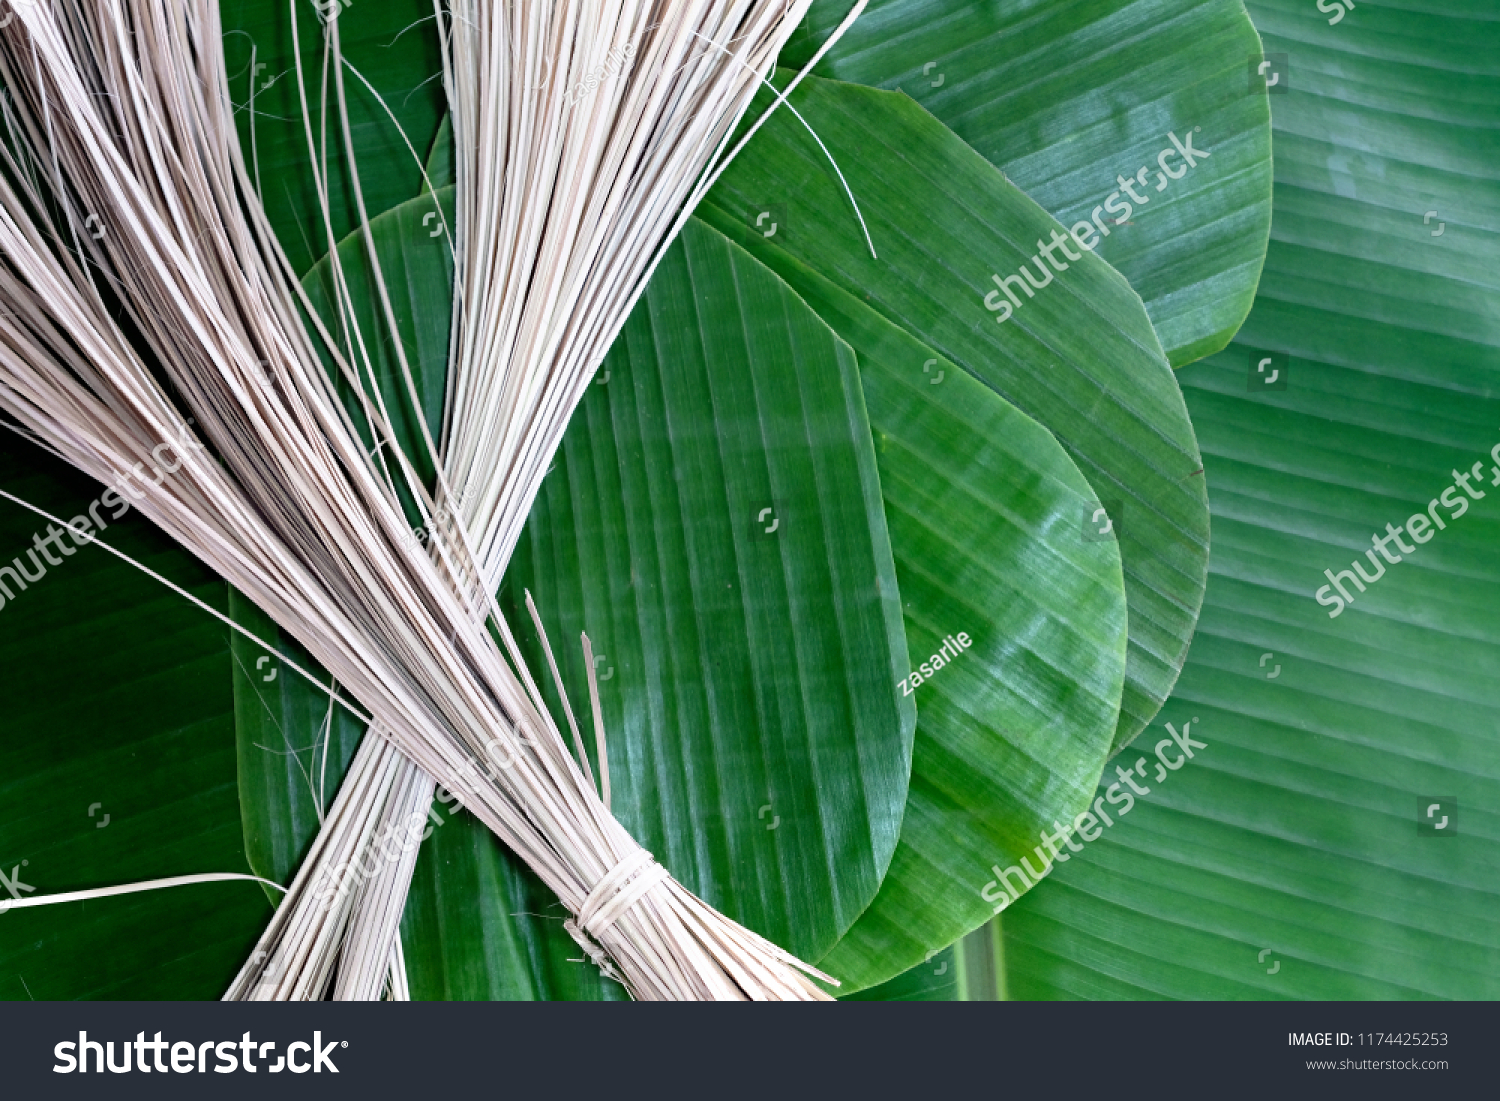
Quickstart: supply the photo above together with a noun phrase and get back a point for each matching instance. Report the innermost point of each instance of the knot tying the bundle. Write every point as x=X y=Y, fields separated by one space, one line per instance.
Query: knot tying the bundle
x=616 y=892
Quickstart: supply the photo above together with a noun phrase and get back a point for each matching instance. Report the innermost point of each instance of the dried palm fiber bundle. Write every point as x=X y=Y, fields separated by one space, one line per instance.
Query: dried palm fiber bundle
x=501 y=315
x=396 y=803
x=517 y=317
x=128 y=221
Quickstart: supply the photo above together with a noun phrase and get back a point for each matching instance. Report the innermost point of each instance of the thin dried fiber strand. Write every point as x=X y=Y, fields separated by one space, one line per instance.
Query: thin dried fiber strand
x=396 y=981
x=132 y=888
x=94 y=540
x=123 y=112
x=366 y=946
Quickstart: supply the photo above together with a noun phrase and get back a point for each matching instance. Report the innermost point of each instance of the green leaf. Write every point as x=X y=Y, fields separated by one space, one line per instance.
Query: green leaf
x=1079 y=356
x=1031 y=751
x=438 y=168
x=714 y=522
x=416 y=262
x=479 y=926
x=117 y=759
x=1034 y=748
x=769 y=699
x=1296 y=832
x=1069 y=97
x=980 y=963
x=294 y=745
x=970 y=970
x=394 y=45
x=933 y=980
x=986 y=515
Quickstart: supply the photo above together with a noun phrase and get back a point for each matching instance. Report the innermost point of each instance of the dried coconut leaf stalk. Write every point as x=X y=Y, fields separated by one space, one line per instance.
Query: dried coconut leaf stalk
x=128 y=220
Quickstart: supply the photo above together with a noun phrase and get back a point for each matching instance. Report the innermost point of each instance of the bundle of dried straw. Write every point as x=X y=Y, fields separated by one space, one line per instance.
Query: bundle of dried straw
x=148 y=311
